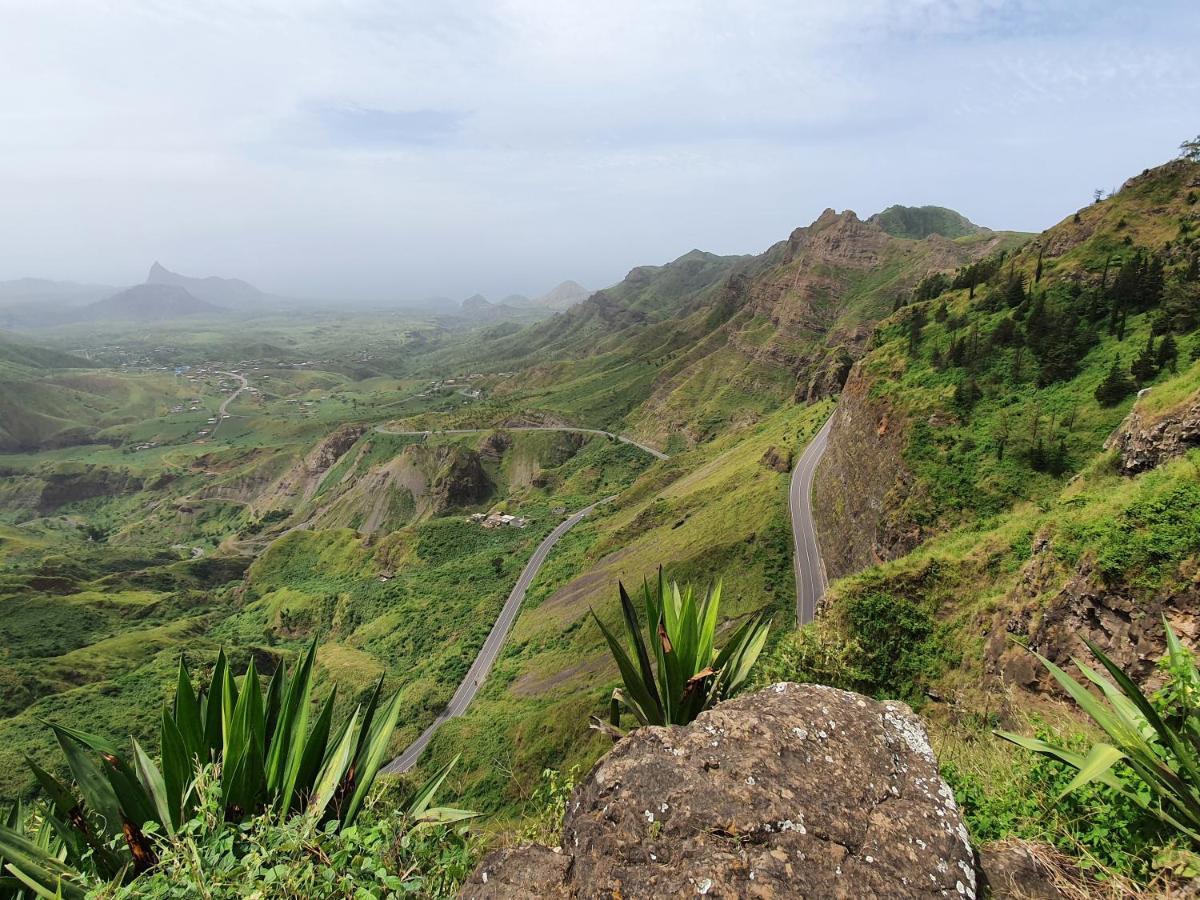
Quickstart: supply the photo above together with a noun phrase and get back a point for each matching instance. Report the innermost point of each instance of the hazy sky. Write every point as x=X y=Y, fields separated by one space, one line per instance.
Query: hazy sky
x=395 y=150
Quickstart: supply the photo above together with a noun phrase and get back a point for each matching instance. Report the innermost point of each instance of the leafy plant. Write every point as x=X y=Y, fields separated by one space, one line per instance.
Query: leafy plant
x=688 y=676
x=386 y=853
x=1158 y=754
x=543 y=817
x=38 y=842
x=267 y=758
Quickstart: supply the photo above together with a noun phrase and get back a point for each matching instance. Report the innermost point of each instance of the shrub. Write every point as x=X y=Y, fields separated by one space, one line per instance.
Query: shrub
x=382 y=855
x=899 y=644
x=1103 y=831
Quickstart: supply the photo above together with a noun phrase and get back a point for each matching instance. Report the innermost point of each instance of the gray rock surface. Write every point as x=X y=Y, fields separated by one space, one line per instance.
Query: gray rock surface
x=1013 y=872
x=1145 y=443
x=794 y=791
x=1052 y=613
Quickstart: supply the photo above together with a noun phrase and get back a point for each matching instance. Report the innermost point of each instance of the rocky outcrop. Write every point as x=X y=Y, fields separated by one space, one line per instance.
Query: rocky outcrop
x=1144 y=442
x=1015 y=870
x=777 y=459
x=495 y=445
x=797 y=791
x=62 y=487
x=829 y=373
x=301 y=481
x=460 y=481
x=1054 y=621
x=862 y=483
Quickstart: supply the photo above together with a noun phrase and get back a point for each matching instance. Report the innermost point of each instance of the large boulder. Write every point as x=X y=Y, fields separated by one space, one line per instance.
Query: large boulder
x=795 y=791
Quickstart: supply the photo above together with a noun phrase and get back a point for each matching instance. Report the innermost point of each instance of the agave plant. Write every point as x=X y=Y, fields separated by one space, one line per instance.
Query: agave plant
x=1157 y=750
x=37 y=838
x=687 y=675
x=265 y=753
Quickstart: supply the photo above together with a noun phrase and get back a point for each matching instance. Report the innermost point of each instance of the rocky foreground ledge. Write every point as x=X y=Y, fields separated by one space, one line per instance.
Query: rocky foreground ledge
x=795 y=791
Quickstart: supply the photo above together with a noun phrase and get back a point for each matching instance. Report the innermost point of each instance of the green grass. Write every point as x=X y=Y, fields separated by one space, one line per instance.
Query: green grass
x=714 y=512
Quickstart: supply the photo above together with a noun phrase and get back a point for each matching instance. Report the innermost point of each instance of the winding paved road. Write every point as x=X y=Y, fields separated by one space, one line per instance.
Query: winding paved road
x=478 y=672
x=810 y=569
x=225 y=404
x=657 y=454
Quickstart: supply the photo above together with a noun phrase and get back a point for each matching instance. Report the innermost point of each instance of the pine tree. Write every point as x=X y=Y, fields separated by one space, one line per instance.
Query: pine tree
x=1168 y=354
x=1037 y=455
x=916 y=322
x=1115 y=387
x=967 y=394
x=1001 y=433
x=1056 y=460
x=1144 y=367
x=1037 y=274
x=1005 y=332
x=1014 y=290
x=1017 y=368
x=1035 y=324
x=1180 y=310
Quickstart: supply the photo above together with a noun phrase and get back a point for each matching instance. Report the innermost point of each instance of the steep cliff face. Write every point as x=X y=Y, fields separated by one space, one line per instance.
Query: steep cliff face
x=460 y=480
x=1053 y=620
x=798 y=790
x=830 y=281
x=1051 y=611
x=302 y=480
x=1147 y=439
x=862 y=482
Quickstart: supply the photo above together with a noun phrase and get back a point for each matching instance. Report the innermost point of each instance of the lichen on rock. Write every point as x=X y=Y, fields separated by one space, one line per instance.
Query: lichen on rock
x=797 y=790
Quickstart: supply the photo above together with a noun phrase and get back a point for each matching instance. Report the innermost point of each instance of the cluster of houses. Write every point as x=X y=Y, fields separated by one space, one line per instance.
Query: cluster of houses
x=498 y=520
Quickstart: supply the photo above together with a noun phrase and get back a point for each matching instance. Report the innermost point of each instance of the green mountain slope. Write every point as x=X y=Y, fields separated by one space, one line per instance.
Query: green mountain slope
x=988 y=491
x=676 y=353
x=20 y=358
x=921 y=221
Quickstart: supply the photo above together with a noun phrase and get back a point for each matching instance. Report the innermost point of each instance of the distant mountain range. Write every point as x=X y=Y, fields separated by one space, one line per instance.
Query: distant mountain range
x=563 y=296
x=150 y=303
x=518 y=307
x=919 y=222
x=232 y=293
x=164 y=296
x=42 y=290
x=706 y=338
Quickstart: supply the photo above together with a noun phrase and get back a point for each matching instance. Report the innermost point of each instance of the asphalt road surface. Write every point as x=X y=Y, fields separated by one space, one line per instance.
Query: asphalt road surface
x=478 y=672
x=225 y=405
x=657 y=454
x=810 y=570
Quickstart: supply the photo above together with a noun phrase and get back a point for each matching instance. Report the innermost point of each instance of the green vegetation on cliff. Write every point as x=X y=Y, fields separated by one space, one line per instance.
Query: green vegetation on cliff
x=1025 y=530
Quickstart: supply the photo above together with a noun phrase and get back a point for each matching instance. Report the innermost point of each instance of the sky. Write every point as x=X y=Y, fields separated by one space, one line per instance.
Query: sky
x=391 y=151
